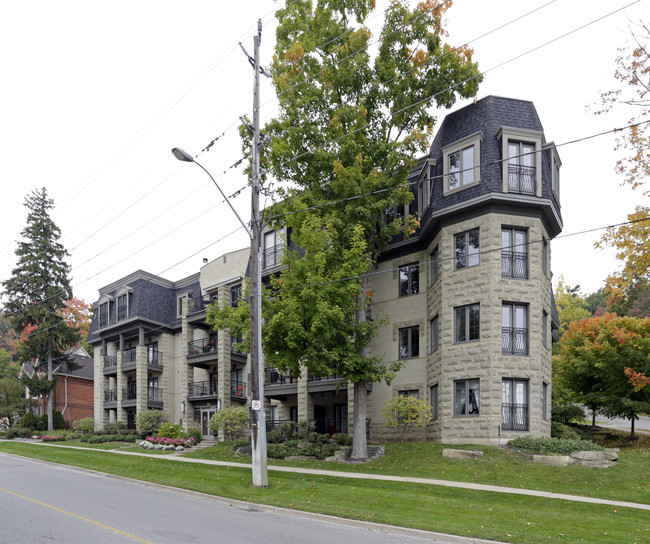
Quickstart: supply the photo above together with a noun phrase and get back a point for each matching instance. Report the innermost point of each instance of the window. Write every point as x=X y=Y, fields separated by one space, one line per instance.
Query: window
x=461 y=168
x=293 y=413
x=435 y=271
x=122 y=307
x=521 y=167
x=433 y=397
x=514 y=253
x=103 y=314
x=409 y=342
x=514 y=322
x=409 y=279
x=461 y=162
x=409 y=393
x=555 y=175
x=466 y=321
x=235 y=295
x=434 y=334
x=544 y=400
x=153 y=357
x=273 y=247
x=179 y=305
x=466 y=397
x=544 y=328
x=153 y=393
x=237 y=386
x=545 y=256
x=466 y=245
x=514 y=405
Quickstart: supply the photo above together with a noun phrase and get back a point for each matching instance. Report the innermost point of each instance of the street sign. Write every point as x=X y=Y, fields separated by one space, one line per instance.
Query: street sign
x=256 y=405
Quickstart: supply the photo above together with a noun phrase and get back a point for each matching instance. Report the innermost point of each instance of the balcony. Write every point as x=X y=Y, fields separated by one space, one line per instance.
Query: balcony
x=201 y=390
x=110 y=397
x=521 y=179
x=129 y=359
x=272 y=255
x=323 y=384
x=514 y=341
x=110 y=364
x=202 y=352
x=155 y=360
x=237 y=389
x=514 y=417
x=274 y=376
x=514 y=264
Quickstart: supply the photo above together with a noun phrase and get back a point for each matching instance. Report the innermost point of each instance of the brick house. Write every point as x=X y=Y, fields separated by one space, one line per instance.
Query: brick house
x=468 y=296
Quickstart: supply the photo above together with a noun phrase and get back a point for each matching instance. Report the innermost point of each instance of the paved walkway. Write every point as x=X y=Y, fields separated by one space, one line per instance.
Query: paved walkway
x=384 y=477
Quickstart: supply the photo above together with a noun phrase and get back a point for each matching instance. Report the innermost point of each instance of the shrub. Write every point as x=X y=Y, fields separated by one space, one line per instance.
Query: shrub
x=12 y=433
x=241 y=443
x=103 y=438
x=150 y=421
x=277 y=451
x=114 y=428
x=553 y=446
x=28 y=421
x=58 y=421
x=406 y=411
x=195 y=433
x=560 y=430
x=84 y=426
x=288 y=429
x=231 y=421
x=162 y=441
x=566 y=412
x=274 y=437
x=41 y=423
x=305 y=428
x=171 y=430
x=342 y=439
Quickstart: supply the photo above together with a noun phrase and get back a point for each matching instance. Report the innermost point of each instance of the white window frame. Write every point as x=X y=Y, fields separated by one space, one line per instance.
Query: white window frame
x=516 y=135
x=474 y=140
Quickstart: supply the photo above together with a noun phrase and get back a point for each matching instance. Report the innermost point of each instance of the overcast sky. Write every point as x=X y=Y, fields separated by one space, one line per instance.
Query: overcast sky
x=95 y=94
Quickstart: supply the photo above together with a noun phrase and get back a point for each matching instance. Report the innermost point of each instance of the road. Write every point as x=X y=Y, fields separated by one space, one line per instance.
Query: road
x=642 y=424
x=42 y=502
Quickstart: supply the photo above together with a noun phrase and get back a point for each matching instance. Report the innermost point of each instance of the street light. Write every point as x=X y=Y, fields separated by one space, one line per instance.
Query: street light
x=258 y=419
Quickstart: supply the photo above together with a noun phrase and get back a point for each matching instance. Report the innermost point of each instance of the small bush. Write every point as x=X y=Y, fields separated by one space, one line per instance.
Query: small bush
x=114 y=428
x=28 y=421
x=565 y=413
x=274 y=437
x=12 y=433
x=560 y=430
x=195 y=433
x=553 y=446
x=241 y=443
x=231 y=421
x=342 y=439
x=277 y=451
x=288 y=429
x=305 y=428
x=103 y=438
x=150 y=421
x=171 y=430
x=58 y=421
x=84 y=426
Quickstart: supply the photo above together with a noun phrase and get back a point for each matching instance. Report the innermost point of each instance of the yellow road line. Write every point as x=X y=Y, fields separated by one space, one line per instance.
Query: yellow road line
x=78 y=516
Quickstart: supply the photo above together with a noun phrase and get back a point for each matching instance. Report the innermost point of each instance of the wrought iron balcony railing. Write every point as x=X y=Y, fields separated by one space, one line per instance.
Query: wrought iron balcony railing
x=514 y=417
x=201 y=389
x=514 y=264
x=521 y=179
x=110 y=361
x=274 y=376
x=237 y=389
x=110 y=395
x=202 y=346
x=514 y=341
x=272 y=255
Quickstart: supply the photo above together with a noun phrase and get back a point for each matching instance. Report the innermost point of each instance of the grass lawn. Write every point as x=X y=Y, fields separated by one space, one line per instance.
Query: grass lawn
x=481 y=514
x=628 y=481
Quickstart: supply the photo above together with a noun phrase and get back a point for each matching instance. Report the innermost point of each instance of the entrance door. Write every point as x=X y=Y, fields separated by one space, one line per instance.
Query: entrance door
x=320 y=415
x=206 y=414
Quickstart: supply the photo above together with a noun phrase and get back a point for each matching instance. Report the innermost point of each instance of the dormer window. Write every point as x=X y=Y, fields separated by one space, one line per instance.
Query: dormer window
x=461 y=164
x=522 y=161
x=103 y=315
x=122 y=307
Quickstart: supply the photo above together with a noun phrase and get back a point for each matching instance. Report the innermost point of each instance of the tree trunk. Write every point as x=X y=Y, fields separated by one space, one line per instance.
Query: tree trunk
x=593 y=417
x=50 y=393
x=632 y=427
x=359 y=439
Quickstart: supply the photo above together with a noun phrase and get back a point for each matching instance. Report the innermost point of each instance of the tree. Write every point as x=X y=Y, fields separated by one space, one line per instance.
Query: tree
x=406 y=411
x=632 y=243
x=37 y=292
x=77 y=314
x=570 y=305
x=12 y=399
x=596 y=356
x=231 y=421
x=349 y=130
x=633 y=73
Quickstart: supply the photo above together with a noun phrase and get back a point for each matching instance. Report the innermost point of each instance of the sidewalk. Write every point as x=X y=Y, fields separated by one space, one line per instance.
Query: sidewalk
x=362 y=476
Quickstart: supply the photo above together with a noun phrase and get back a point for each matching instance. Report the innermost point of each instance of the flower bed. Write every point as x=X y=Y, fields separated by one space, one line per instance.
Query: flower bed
x=184 y=442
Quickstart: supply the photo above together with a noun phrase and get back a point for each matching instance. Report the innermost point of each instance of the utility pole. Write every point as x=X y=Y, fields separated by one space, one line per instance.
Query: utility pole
x=258 y=419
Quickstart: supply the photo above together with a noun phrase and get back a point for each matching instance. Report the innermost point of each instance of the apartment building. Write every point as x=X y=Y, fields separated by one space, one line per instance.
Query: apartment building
x=468 y=298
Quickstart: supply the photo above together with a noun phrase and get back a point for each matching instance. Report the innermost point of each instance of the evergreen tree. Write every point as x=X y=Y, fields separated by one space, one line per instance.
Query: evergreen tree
x=36 y=295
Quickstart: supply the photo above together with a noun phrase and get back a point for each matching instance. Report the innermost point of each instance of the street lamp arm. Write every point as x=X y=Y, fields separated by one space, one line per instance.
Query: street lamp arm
x=186 y=157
